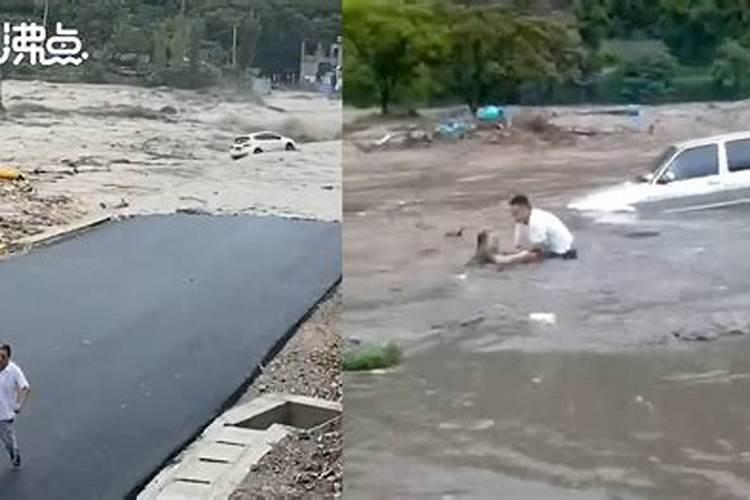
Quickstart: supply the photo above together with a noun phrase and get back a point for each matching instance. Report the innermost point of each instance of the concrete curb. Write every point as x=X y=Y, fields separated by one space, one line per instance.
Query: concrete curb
x=217 y=463
x=55 y=235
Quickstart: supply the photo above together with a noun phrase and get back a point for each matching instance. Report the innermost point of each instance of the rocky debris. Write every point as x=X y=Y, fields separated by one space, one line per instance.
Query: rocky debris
x=457 y=233
x=352 y=342
x=122 y=204
x=310 y=367
x=404 y=139
x=706 y=335
x=23 y=212
x=306 y=464
x=529 y=127
x=714 y=331
x=193 y=211
x=81 y=161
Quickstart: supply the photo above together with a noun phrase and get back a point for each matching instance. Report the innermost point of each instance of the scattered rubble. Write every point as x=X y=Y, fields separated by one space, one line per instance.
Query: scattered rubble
x=23 y=212
x=193 y=211
x=303 y=465
x=122 y=204
x=708 y=335
x=458 y=233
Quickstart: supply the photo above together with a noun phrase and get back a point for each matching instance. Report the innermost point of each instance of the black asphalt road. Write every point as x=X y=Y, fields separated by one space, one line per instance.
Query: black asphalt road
x=134 y=335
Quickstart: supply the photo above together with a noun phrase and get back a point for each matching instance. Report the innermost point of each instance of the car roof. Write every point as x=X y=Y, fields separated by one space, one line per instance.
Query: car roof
x=713 y=139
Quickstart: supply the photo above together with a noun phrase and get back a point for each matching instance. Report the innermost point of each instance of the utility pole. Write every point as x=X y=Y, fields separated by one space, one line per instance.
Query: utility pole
x=46 y=13
x=234 y=46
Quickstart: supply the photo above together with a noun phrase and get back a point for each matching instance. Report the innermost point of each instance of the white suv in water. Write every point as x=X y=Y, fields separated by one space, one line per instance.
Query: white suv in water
x=261 y=142
x=692 y=175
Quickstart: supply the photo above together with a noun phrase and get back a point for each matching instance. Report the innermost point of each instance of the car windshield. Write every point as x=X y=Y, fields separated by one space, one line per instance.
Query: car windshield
x=662 y=159
x=241 y=140
x=657 y=163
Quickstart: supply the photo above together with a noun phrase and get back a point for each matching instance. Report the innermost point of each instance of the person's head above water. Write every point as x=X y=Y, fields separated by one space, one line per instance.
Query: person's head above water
x=4 y=356
x=520 y=208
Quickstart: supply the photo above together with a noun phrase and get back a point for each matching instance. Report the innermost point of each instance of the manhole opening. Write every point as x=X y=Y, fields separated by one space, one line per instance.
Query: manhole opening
x=291 y=414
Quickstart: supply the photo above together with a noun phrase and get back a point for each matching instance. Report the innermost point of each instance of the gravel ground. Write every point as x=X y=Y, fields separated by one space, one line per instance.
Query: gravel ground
x=24 y=212
x=305 y=465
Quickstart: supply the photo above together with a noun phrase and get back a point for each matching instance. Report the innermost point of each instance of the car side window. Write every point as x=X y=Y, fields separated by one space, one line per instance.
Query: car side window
x=263 y=137
x=693 y=163
x=738 y=155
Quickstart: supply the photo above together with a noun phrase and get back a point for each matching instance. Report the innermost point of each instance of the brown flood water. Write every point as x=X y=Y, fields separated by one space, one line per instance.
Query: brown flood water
x=607 y=402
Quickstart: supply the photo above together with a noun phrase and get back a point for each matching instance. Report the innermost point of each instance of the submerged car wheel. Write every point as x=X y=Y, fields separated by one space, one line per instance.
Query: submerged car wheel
x=257 y=151
x=290 y=146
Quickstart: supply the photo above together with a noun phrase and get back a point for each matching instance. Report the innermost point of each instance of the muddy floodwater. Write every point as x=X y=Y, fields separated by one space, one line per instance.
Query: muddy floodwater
x=623 y=375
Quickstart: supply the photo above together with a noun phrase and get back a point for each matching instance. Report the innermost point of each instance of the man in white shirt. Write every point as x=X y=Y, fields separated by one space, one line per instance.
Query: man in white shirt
x=539 y=235
x=14 y=389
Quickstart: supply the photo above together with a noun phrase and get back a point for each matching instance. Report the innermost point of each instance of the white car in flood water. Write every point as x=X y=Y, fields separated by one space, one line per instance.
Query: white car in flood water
x=692 y=175
x=260 y=142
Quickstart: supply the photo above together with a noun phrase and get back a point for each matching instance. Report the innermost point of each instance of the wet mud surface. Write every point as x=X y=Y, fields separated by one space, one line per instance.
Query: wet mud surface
x=632 y=383
x=611 y=399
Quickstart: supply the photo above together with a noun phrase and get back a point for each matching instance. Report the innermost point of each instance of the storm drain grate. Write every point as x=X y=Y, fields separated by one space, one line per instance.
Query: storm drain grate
x=291 y=414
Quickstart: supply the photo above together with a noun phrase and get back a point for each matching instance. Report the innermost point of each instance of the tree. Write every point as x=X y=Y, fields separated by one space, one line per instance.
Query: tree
x=391 y=40
x=648 y=78
x=594 y=21
x=491 y=54
x=692 y=29
x=248 y=33
x=109 y=27
x=475 y=65
x=634 y=18
x=197 y=32
x=729 y=71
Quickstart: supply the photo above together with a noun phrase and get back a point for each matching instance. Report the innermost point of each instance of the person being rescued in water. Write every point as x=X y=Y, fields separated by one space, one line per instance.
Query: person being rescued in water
x=539 y=235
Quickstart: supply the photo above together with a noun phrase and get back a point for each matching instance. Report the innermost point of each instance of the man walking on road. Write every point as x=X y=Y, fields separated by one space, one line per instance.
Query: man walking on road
x=14 y=389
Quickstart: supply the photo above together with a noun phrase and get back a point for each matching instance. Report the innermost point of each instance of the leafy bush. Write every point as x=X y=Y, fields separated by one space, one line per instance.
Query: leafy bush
x=649 y=78
x=94 y=72
x=730 y=69
x=372 y=358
